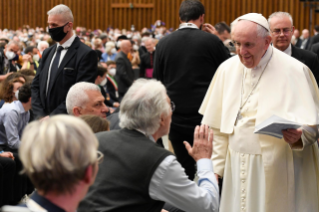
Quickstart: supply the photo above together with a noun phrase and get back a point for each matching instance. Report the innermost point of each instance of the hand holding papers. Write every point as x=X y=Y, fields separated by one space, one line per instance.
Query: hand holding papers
x=274 y=125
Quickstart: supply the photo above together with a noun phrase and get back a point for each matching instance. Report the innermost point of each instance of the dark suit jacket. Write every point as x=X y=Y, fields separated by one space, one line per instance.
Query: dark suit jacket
x=110 y=87
x=146 y=63
x=124 y=73
x=185 y=62
x=315 y=49
x=298 y=43
x=313 y=40
x=79 y=64
x=2 y=59
x=308 y=58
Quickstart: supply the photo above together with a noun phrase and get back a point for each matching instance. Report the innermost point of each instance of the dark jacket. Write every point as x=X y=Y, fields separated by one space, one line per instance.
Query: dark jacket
x=185 y=62
x=308 y=58
x=124 y=73
x=2 y=63
x=130 y=160
x=79 y=64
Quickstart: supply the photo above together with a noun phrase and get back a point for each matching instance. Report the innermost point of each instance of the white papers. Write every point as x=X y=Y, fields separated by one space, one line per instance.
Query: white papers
x=274 y=125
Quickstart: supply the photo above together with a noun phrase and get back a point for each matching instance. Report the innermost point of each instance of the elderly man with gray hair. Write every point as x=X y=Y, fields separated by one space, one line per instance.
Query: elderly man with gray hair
x=86 y=99
x=140 y=175
x=60 y=156
x=261 y=172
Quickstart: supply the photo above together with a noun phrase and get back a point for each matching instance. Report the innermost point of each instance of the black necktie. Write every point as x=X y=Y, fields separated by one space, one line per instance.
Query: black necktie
x=54 y=70
x=55 y=64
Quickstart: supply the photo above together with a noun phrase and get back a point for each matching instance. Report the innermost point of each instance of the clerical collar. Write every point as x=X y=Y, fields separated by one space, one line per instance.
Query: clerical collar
x=187 y=25
x=288 y=50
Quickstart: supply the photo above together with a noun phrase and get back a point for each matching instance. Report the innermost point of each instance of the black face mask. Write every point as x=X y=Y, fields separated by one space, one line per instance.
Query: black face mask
x=57 y=34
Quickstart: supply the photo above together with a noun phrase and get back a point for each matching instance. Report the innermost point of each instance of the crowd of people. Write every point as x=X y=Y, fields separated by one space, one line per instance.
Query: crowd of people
x=83 y=113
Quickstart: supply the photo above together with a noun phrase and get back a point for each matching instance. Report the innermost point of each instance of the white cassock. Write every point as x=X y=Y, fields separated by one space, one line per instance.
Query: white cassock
x=262 y=173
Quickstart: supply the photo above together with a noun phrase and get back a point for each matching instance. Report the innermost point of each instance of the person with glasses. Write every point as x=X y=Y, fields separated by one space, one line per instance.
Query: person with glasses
x=282 y=29
x=137 y=174
x=60 y=157
x=261 y=172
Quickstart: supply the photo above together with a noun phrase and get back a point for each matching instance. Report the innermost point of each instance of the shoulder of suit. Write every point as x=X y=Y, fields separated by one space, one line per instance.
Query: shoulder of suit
x=305 y=53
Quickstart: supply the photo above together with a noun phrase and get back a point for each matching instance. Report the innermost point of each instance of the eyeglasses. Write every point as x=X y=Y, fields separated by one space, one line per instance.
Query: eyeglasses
x=173 y=106
x=285 y=31
x=100 y=157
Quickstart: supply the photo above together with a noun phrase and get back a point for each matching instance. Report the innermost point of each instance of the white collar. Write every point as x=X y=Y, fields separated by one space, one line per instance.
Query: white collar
x=187 y=25
x=67 y=43
x=288 y=50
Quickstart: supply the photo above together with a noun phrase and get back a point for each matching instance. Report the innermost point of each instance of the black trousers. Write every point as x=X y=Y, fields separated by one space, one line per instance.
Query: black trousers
x=177 y=136
x=7 y=172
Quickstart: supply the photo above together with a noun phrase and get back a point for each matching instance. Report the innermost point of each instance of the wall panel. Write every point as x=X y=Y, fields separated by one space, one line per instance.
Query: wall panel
x=101 y=14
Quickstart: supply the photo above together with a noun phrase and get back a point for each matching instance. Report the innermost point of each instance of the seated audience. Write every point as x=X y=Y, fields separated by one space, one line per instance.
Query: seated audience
x=97 y=123
x=140 y=175
x=9 y=86
x=86 y=98
x=31 y=58
x=111 y=84
x=101 y=81
x=42 y=45
x=6 y=56
x=60 y=156
x=28 y=74
x=13 y=119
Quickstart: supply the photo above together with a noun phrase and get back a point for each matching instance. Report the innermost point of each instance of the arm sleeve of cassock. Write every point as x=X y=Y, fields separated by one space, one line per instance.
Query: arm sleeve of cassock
x=309 y=133
x=220 y=147
x=309 y=137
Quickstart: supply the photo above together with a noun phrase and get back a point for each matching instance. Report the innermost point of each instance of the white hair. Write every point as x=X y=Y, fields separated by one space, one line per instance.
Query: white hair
x=143 y=105
x=63 y=10
x=149 y=39
x=42 y=43
x=280 y=15
x=77 y=95
x=56 y=152
x=109 y=46
x=261 y=31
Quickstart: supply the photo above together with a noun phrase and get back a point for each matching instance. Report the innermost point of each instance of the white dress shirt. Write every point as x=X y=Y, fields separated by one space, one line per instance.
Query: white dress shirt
x=170 y=184
x=288 y=50
x=65 y=45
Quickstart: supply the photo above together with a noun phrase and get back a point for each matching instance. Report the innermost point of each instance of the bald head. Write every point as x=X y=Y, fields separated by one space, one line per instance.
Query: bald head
x=305 y=33
x=126 y=46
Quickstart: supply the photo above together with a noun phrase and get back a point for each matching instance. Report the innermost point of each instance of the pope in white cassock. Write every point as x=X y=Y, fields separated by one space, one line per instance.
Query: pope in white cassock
x=263 y=173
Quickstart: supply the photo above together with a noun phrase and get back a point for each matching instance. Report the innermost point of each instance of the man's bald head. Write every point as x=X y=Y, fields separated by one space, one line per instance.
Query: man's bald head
x=126 y=46
x=305 y=33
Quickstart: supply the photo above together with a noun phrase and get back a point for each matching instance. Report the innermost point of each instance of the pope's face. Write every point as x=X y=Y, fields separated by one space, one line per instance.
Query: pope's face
x=249 y=47
x=281 y=32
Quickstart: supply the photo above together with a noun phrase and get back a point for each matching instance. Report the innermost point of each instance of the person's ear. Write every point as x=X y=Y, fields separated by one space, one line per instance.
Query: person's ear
x=89 y=175
x=162 y=120
x=76 y=111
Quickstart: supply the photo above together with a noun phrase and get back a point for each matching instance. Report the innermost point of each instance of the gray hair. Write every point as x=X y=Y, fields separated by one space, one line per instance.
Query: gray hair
x=56 y=152
x=41 y=43
x=280 y=15
x=12 y=42
x=63 y=10
x=143 y=105
x=261 y=31
x=149 y=39
x=77 y=95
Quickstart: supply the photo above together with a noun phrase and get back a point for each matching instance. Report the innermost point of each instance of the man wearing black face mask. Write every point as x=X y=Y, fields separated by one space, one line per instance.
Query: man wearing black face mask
x=63 y=64
x=6 y=56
